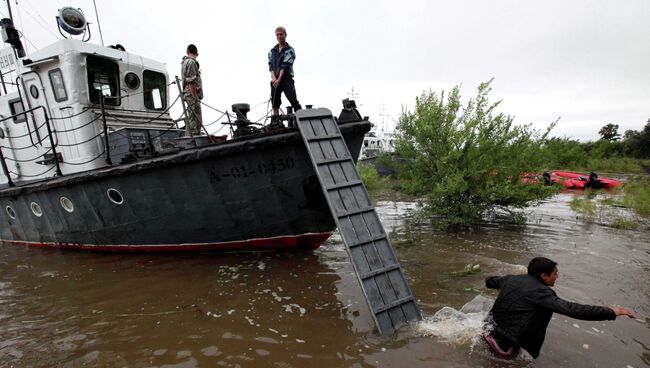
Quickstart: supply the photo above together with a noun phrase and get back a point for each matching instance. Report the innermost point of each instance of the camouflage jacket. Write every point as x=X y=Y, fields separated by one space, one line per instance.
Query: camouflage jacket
x=191 y=73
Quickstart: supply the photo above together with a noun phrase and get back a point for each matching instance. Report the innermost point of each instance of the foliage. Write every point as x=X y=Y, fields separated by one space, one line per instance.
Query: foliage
x=467 y=161
x=602 y=155
x=370 y=178
x=568 y=154
x=613 y=164
x=636 y=195
x=609 y=132
x=637 y=144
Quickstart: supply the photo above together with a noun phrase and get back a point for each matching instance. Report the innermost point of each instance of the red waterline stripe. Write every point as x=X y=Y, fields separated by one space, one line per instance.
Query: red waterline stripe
x=288 y=242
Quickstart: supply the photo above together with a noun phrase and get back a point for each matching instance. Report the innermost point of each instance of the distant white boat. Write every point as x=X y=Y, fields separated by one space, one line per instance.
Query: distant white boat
x=375 y=143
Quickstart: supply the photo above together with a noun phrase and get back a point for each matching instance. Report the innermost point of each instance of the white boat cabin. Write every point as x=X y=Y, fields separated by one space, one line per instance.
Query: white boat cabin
x=55 y=111
x=374 y=144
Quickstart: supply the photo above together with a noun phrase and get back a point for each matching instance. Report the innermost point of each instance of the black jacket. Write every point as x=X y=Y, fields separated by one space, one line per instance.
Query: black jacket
x=524 y=308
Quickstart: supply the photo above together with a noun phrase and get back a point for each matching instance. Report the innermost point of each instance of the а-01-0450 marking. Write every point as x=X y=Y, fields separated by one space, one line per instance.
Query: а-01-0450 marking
x=263 y=168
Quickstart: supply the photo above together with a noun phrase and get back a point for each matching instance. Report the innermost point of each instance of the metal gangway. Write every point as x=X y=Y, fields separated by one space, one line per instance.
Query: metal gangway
x=384 y=286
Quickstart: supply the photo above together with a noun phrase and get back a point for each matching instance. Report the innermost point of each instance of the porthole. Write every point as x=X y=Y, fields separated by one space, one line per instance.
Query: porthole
x=115 y=196
x=36 y=209
x=131 y=80
x=33 y=90
x=67 y=204
x=11 y=212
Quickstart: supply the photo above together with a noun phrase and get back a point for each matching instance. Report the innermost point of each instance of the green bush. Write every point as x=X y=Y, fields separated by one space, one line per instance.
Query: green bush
x=563 y=153
x=370 y=178
x=467 y=161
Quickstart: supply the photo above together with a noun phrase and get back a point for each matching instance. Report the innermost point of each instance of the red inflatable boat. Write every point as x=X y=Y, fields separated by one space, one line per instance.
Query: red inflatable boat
x=572 y=180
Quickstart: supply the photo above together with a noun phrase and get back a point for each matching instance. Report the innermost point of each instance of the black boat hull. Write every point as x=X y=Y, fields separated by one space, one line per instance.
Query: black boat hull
x=256 y=194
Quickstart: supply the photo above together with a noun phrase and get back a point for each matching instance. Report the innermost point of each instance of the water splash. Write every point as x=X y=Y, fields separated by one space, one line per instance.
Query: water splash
x=458 y=326
x=465 y=326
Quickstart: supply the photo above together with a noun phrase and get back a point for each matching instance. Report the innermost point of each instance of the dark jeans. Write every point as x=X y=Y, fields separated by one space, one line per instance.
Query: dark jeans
x=288 y=87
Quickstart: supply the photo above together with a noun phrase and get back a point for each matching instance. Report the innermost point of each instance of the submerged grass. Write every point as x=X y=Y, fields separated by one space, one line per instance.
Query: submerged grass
x=469 y=269
x=636 y=195
x=584 y=206
x=623 y=223
x=616 y=213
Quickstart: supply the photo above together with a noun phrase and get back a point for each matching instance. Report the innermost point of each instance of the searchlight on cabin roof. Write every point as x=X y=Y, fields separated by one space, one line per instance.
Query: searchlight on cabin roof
x=72 y=21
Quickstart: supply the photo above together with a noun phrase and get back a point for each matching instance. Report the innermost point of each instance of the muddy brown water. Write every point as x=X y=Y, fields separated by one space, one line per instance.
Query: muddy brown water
x=69 y=309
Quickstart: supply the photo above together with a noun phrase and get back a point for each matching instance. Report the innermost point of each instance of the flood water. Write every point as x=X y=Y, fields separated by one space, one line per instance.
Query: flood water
x=69 y=309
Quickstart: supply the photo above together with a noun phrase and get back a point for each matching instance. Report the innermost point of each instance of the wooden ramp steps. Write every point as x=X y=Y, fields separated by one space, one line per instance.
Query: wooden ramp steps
x=384 y=286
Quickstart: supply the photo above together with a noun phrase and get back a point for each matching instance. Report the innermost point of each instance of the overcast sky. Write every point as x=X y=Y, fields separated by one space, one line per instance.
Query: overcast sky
x=586 y=62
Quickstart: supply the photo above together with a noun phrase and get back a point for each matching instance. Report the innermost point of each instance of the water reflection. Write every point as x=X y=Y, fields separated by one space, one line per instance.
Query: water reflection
x=187 y=310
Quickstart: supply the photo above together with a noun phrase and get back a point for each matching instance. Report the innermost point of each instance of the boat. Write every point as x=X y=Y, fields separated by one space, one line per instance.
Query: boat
x=92 y=159
x=572 y=180
x=375 y=143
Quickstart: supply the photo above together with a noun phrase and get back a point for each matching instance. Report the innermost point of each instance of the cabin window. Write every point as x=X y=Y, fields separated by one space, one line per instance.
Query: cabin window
x=155 y=90
x=16 y=107
x=132 y=80
x=58 y=87
x=33 y=90
x=103 y=80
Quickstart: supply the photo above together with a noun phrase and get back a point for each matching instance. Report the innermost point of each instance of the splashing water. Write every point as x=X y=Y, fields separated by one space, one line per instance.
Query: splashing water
x=466 y=325
x=458 y=326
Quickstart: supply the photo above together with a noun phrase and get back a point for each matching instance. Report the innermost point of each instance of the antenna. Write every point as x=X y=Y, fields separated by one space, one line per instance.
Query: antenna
x=98 y=25
x=382 y=113
x=354 y=96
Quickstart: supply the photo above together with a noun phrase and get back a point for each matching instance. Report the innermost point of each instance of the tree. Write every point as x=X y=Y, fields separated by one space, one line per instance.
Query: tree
x=629 y=134
x=467 y=161
x=609 y=132
x=637 y=144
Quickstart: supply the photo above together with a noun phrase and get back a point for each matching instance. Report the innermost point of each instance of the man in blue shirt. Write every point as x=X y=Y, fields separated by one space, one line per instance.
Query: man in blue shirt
x=281 y=58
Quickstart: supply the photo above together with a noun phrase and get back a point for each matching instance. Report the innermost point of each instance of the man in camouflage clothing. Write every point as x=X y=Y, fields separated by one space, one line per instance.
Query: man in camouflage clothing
x=192 y=91
x=281 y=59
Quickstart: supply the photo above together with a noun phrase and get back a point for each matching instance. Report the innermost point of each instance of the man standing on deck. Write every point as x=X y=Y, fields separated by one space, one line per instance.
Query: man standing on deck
x=192 y=91
x=524 y=308
x=281 y=58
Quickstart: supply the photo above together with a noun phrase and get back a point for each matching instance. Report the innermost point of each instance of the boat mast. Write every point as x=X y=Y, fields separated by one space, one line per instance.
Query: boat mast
x=101 y=36
x=9 y=10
